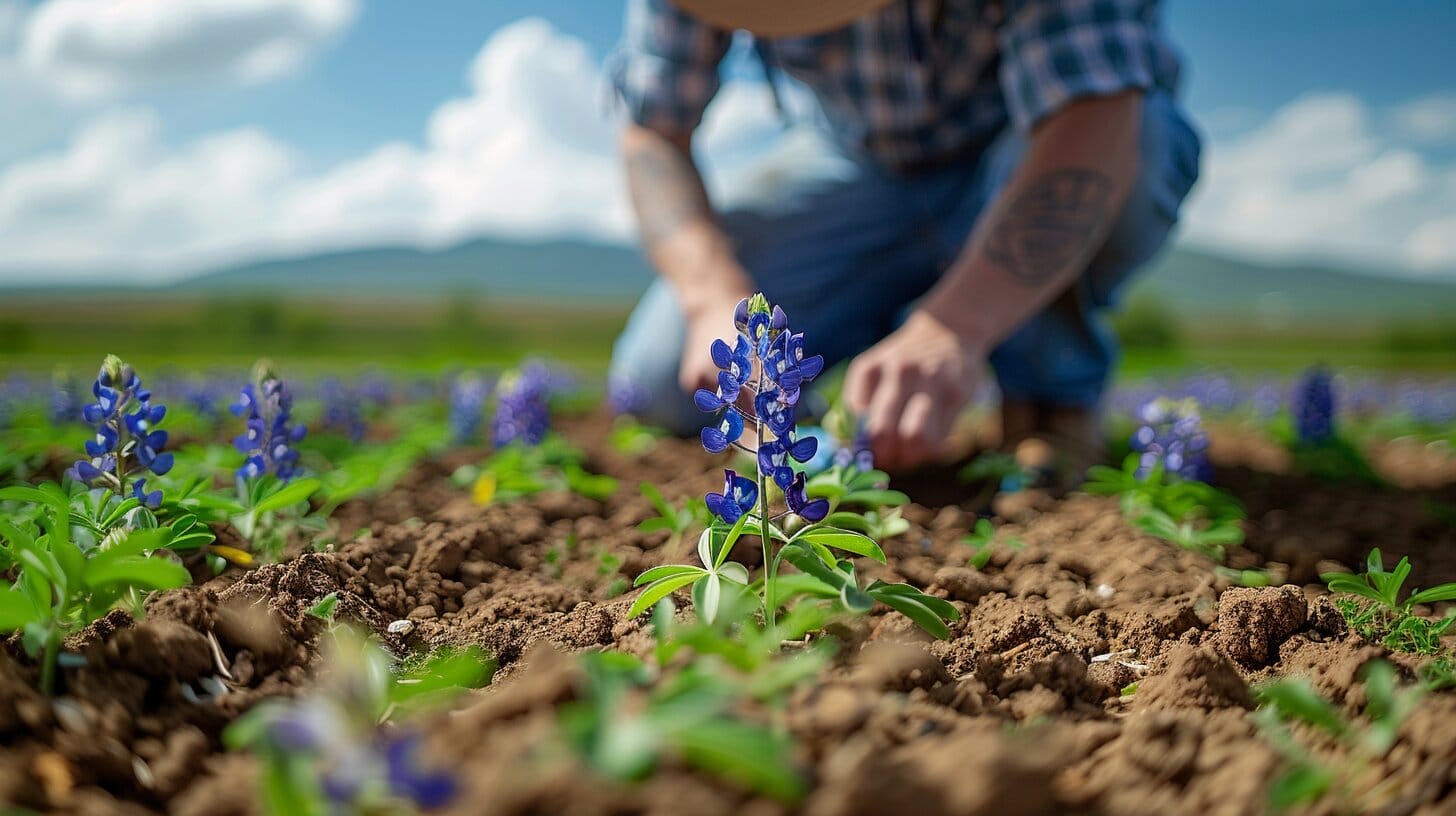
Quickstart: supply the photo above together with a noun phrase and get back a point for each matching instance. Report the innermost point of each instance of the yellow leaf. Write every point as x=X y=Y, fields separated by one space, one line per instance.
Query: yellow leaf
x=242 y=558
x=484 y=489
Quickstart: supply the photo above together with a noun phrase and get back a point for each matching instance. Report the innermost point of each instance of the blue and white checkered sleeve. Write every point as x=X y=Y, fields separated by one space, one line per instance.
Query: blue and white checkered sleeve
x=1055 y=51
x=667 y=67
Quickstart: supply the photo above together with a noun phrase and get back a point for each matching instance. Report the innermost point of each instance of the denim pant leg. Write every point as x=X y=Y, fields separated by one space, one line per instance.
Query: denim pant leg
x=1065 y=354
x=840 y=254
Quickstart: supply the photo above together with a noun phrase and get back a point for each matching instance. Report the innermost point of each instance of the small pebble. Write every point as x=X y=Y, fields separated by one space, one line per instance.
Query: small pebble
x=401 y=627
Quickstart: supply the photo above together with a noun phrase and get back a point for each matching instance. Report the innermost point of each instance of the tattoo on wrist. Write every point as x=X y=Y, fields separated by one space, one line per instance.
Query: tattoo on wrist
x=667 y=191
x=1049 y=224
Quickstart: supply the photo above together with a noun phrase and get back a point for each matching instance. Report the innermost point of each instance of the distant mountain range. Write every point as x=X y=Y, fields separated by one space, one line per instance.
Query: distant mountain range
x=1195 y=284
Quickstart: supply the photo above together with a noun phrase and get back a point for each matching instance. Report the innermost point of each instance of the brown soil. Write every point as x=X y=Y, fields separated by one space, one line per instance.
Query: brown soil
x=1021 y=711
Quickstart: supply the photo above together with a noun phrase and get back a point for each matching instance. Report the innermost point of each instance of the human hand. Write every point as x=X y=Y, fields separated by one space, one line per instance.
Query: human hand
x=708 y=319
x=910 y=387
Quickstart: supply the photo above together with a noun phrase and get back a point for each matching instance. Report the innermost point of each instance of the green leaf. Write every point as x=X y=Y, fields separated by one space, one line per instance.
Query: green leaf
x=666 y=571
x=1301 y=784
x=1296 y=698
x=729 y=541
x=749 y=755
x=661 y=589
x=138 y=571
x=707 y=593
x=1444 y=592
x=286 y=496
x=876 y=498
x=16 y=610
x=655 y=496
x=855 y=599
x=915 y=610
x=654 y=525
x=845 y=540
x=803 y=556
x=941 y=607
x=324 y=608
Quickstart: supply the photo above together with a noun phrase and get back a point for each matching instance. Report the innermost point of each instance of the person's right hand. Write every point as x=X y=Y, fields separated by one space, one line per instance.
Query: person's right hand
x=708 y=320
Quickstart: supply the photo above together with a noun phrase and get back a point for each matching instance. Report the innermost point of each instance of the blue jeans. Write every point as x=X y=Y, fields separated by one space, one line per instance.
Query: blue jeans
x=847 y=253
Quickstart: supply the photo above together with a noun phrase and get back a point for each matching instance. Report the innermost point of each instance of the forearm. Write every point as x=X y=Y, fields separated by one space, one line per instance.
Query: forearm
x=1047 y=223
x=679 y=232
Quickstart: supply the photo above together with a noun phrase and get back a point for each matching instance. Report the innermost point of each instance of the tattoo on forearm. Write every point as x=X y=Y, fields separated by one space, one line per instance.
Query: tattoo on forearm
x=1050 y=223
x=667 y=191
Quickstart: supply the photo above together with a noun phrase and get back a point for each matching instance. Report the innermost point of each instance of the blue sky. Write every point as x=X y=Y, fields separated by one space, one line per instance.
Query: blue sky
x=1332 y=128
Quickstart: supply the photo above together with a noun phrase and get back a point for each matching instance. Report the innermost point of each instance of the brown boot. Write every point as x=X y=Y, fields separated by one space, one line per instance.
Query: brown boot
x=1055 y=444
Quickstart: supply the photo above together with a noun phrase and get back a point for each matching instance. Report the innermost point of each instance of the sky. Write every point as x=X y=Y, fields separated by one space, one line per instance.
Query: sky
x=155 y=138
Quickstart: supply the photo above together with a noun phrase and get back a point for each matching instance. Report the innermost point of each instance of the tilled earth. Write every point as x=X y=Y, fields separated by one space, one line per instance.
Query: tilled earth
x=1011 y=715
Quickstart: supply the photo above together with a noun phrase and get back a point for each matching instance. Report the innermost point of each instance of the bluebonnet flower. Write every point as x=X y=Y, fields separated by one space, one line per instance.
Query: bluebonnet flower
x=522 y=409
x=799 y=504
x=65 y=402
x=468 y=394
x=857 y=453
x=766 y=361
x=626 y=396
x=358 y=769
x=739 y=496
x=343 y=409
x=1313 y=406
x=127 y=443
x=270 y=437
x=1172 y=435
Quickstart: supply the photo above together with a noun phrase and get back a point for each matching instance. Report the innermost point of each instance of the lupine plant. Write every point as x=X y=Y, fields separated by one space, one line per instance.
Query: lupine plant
x=623 y=726
x=528 y=458
x=343 y=409
x=271 y=502
x=982 y=541
x=1171 y=437
x=1305 y=779
x=1314 y=441
x=350 y=747
x=676 y=521
x=60 y=586
x=1163 y=486
x=1371 y=605
x=767 y=368
x=127 y=443
x=468 y=394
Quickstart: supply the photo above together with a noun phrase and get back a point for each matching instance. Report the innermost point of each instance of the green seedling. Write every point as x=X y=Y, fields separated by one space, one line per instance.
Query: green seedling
x=1372 y=606
x=60 y=587
x=677 y=521
x=1288 y=702
x=519 y=470
x=982 y=541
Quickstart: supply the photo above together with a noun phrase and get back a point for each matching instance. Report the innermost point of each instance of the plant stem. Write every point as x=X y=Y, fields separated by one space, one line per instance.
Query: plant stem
x=764 y=526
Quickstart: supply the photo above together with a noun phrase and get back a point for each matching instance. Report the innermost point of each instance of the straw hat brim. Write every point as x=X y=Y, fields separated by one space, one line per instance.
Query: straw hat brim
x=779 y=18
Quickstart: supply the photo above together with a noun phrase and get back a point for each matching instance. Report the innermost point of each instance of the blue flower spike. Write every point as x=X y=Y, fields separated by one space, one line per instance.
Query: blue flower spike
x=799 y=503
x=126 y=444
x=269 y=437
x=1172 y=435
x=1313 y=406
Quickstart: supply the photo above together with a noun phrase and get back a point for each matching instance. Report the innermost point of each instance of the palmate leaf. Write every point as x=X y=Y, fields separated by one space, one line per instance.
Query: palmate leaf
x=846 y=540
x=138 y=571
x=286 y=496
x=928 y=612
x=662 y=588
x=875 y=498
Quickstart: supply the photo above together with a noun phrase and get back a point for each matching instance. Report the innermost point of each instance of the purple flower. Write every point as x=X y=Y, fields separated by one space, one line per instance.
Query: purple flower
x=343 y=409
x=799 y=504
x=468 y=394
x=522 y=409
x=625 y=396
x=1313 y=406
x=408 y=780
x=739 y=496
x=1172 y=435
x=269 y=436
x=126 y=443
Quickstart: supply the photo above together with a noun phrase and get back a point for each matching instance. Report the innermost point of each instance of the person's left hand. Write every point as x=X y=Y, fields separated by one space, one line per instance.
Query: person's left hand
x=909 y=389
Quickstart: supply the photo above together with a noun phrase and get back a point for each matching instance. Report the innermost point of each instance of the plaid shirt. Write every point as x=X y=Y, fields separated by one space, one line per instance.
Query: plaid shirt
x=917 y=81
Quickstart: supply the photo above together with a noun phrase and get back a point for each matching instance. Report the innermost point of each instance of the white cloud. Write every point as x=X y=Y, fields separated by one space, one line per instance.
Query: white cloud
x=1315 y=180
x=89 y=48
x=1430 y=119
x=530 y=152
